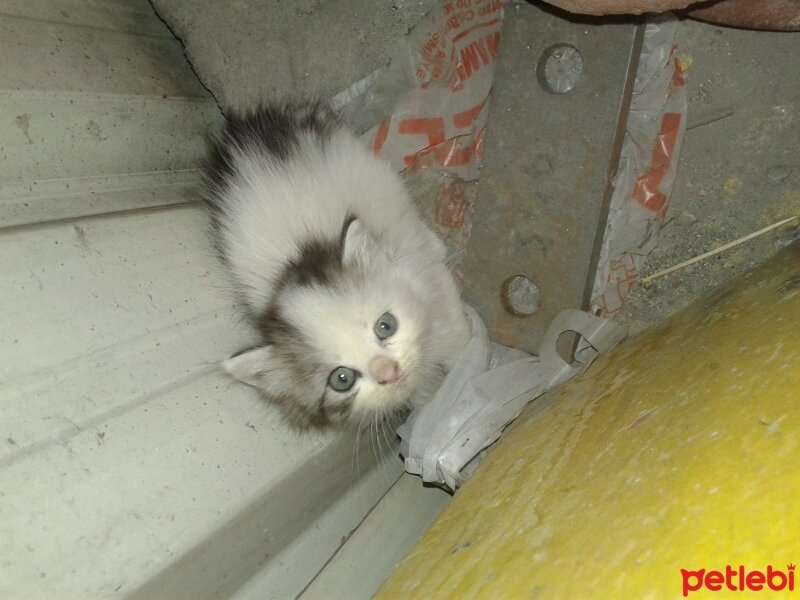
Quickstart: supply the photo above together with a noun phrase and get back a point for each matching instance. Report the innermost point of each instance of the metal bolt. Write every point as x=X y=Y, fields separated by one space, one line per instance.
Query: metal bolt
x=520 y=296
x=559 y=69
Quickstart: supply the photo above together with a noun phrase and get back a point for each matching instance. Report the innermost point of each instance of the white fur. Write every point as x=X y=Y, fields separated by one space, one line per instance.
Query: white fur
x=274 y=205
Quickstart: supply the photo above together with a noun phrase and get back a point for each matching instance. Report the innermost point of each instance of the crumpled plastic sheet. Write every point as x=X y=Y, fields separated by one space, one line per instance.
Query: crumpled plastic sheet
x=490 y=384
x=647 y=167
x=436 y=94
x=427 y=110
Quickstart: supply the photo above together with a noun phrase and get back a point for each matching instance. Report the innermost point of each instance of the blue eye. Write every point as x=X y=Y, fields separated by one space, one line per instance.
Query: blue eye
x=386 y=326
x=342 y=379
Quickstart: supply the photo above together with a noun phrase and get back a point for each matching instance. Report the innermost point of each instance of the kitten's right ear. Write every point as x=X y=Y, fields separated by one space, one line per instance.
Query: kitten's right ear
x=357 y=243
x=250 y=366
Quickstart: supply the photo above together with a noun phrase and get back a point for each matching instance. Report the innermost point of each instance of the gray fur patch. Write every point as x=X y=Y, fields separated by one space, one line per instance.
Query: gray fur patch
x=306 y=406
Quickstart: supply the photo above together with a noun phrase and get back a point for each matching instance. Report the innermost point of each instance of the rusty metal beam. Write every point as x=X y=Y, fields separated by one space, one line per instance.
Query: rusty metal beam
x=773 y=15
x=619 y=7
x=542 y=196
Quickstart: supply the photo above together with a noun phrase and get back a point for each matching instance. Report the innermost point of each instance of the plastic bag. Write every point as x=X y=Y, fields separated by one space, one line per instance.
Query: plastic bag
x=647 y=167
x=487 y=388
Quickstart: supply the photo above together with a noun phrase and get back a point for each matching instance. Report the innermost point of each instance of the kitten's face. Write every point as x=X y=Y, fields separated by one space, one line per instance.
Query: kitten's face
x=367 y=338
x=348 y=348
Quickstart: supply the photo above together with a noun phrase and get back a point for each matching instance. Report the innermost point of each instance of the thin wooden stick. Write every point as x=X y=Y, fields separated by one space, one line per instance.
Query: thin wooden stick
x=710 y=253
x=707 y=118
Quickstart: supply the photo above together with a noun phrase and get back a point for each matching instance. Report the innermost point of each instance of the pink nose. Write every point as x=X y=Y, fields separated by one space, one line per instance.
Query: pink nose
x=384 y=370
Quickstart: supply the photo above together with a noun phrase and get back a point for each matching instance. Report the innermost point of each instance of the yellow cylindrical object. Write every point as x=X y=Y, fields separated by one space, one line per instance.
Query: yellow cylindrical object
x=679 y=450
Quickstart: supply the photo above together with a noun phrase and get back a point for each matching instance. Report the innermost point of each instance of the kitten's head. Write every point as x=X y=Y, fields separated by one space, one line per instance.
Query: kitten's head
x=346 y=337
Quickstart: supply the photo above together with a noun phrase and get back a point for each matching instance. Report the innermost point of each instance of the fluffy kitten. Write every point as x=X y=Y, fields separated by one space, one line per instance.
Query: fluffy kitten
x=348 y=289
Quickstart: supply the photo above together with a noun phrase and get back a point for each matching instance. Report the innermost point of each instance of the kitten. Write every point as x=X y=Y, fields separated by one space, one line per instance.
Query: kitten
x=347 y=288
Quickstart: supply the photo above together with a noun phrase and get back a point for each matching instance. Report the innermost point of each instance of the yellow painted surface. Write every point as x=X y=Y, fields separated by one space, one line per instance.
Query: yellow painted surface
x=681 y=449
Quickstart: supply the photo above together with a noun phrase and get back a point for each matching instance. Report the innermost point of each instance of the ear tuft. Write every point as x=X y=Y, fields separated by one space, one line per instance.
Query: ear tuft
x=249 y=366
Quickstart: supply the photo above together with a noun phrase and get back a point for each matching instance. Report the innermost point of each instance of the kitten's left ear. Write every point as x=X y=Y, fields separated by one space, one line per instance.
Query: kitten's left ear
x=358 y=245
x=249 y=366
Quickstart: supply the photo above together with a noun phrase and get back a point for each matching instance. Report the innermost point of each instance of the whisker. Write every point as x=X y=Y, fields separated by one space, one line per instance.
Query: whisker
x=357 y=443
x=372 y=439
x=378 y=440
x=381 y=433
x=384 y=419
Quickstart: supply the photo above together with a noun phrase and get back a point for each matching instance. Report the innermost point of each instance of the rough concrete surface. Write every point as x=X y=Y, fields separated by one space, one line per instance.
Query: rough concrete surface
x=735 y=175
x=244 y=51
